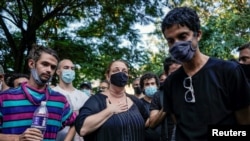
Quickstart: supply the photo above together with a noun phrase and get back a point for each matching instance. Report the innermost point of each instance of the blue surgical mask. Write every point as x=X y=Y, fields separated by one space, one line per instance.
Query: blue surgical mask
x=150 y=91
x=182 y=51
x=68 y=76
x=119 y=79
x=37 y=78
x=86 y=91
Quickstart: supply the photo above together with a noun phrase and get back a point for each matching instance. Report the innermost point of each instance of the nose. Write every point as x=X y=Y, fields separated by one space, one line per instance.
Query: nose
x=241 y=61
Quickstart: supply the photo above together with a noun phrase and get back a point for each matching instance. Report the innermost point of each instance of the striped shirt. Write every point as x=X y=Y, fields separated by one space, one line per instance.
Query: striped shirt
x=18 y=105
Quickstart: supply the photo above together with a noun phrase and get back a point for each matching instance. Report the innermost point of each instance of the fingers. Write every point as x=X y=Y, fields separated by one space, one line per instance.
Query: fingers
x=116 y=108
x=31 y=134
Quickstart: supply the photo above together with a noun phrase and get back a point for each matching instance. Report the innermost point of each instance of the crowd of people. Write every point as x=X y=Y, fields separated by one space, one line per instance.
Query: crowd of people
x=192 y=92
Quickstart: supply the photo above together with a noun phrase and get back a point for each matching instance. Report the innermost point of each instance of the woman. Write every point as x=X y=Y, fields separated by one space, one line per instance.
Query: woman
x=113 y=115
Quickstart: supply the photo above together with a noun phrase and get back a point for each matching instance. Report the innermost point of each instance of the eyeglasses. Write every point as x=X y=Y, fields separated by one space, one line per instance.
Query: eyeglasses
x=103 y=88
x=189 y=94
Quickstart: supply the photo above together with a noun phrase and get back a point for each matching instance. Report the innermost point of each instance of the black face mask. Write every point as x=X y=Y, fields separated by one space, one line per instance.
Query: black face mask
x=161 y=84
x=137 y=90
x=119 y=79
x=246 y=69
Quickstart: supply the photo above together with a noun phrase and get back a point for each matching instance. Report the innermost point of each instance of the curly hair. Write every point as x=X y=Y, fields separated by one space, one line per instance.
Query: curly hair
x=149 y=75
x=183 y=16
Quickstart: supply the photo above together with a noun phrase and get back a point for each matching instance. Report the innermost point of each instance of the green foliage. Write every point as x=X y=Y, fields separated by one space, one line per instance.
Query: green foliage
x=106 y=32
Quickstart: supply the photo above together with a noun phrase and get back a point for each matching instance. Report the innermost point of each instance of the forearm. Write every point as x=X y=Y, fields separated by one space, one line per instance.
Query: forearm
x=9 y=137
x=71 y=133
x=93 y=122
x=156 y=117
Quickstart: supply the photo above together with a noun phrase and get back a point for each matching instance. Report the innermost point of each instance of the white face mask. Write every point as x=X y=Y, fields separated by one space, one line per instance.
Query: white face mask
x=1 y=85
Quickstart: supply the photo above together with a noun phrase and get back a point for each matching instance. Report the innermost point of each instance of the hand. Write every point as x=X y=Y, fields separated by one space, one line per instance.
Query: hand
x=31 y=134
x=116 y=107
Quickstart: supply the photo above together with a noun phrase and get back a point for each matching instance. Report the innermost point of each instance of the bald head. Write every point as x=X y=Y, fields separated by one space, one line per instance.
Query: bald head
x=66 y=64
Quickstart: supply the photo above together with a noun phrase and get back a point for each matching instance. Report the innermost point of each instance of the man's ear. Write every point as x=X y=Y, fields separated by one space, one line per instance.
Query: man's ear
x=199 y=34
x=58 y=71
x=31 y=63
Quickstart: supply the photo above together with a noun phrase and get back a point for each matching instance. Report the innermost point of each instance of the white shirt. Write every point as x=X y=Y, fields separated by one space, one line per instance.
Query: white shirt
x=76 y=99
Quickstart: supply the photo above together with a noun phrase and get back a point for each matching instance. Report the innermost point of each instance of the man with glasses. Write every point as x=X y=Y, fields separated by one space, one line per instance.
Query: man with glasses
x=104 y=86
x=205 y=90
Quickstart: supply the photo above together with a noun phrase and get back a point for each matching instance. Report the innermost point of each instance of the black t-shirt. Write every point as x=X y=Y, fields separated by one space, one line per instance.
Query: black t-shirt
x=220 y=88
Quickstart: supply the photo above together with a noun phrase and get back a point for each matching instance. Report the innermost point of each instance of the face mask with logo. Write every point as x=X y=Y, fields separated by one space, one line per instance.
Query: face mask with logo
x=37 y=78
x=137 y=90
x=68 y=76
x=150 y=91
x=86 y=91
x=182 y=51
x=119 y=79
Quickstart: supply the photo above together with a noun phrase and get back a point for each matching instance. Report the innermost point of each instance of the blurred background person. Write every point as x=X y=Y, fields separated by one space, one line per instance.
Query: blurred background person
x=16 y=79
x=149 y=82
x=157 y=115
x=86 y=87
x=244 y=59
x=244 y=54
x=137 y=89
x=104 y=86
x=3 y=84
x=66 y=74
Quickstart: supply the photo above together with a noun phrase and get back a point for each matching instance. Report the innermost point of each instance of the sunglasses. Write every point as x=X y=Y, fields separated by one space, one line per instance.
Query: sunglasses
x=189 y=94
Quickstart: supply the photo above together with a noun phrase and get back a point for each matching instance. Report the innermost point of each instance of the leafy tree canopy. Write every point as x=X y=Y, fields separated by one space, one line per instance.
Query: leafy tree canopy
x=106 y=31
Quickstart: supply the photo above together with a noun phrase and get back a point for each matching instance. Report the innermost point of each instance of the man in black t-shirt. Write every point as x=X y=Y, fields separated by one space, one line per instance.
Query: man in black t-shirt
x=204 y=91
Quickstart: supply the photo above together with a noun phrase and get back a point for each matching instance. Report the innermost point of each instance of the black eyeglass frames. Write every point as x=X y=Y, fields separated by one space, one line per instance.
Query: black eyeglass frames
x=189 y=94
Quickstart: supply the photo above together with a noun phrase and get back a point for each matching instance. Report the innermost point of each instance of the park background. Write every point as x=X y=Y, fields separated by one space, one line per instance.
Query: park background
x=92 y=33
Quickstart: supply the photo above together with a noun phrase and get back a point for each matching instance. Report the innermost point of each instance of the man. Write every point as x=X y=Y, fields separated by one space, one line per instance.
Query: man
x=149 y=83
x=104 y=86
x=204 y=91
x=16 y=79
x=86 y=88
x=3 y=85
x=157 y=115
x=244 y=59
x=137 y=89
x=76 y=98
x=170 y=65
x=244 y=54
x=18 y=105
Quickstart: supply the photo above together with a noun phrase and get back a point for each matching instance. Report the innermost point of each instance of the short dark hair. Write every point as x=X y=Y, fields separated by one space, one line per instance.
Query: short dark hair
x=168 y=62
x=183 y=16
x=37 y=50
x=247 y=45
x=149 y=75
x=15 y=76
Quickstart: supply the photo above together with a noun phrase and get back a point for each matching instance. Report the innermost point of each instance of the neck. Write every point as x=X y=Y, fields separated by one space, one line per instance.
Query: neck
x=118 y=93
x=195 y=64
x=32 y=83
x=148 y=99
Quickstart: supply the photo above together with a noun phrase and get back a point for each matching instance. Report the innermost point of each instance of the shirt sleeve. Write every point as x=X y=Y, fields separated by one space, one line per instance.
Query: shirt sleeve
x=69 y=116
x=155 y=103
x=94 y=104
x=239 y=88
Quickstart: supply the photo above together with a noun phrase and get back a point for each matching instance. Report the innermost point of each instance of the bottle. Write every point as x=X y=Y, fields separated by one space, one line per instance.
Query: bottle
x=40 y=117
